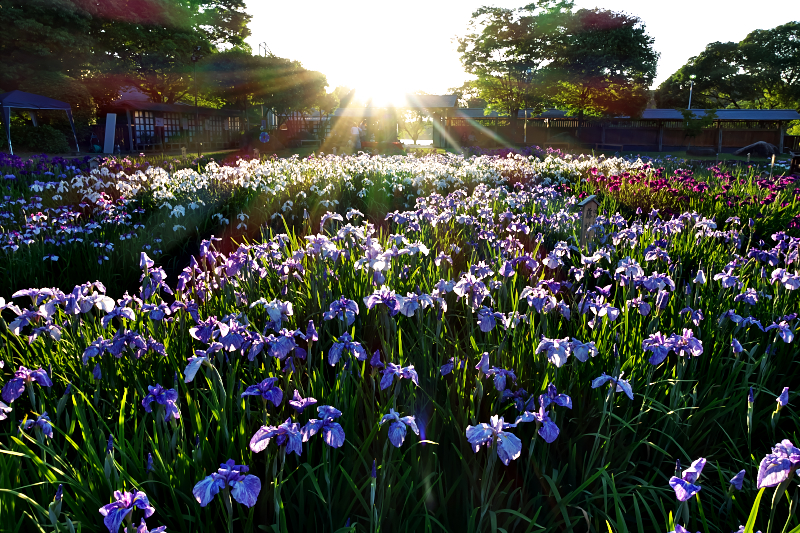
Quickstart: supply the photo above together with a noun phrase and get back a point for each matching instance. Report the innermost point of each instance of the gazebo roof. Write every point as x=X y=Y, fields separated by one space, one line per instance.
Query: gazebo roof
x=23 y=100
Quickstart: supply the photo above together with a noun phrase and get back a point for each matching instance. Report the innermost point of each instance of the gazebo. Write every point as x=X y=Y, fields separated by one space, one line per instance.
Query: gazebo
x=23 y=100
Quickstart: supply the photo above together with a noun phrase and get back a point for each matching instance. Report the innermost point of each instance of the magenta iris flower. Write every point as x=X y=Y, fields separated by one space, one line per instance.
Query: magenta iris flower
x=332 y=432
x=287 y=434
x=244 y=488
x=115 y=513
x=166 y=397
x=509 y=447
x=778 y=466
x=22 y=378
x=398 y=426
x=267 y=390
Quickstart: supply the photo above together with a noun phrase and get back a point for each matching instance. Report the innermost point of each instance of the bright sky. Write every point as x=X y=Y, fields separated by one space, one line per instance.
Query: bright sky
x=385 y=49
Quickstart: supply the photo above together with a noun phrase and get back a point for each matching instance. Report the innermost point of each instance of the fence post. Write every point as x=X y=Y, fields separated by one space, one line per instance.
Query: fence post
x=780 y=140
x=719 y=136
x=660 y=136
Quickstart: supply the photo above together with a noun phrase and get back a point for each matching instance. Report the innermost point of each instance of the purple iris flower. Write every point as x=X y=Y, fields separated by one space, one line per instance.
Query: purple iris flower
x=299 y=404
x=42 y=423
x=686 y=344
x=23 y=377
x=452 y=364
x=583 y=350
x=472 y=289
x=551 y=396
x=738 y=480
x=384 y=296
x=736 y=346
x=783 y=399
x=4 y=410
x=148 y=467
x=557 y=350
x=692 y=473
x=695 y=315
x=785 y=331
x=244 y=488
x=311 y=332
x=393 y=370
x=346 y=343
x=375 y=360
x=548 y=429
x=622 y=385
x=778 y=466
x=509 y=447
x=346 y=310
x=683 y=489
x=287 y=434
x=156 y=279
x=680 y=529
x=267 y=390
x=143 y=528
x=398 y=426
x=97 y=372
x=487 y=319
x=166 y=397
x=201 y=358
x=332 y=432
x=115 y=513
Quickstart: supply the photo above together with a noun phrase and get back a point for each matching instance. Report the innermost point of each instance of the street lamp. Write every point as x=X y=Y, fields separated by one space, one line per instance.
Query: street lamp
x=195 y=58
x=691 y=86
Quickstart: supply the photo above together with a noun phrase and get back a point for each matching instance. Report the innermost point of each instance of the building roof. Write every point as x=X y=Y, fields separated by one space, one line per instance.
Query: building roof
x=654 y=114
x=429 y=101
x=725 y=114
x=23 y=100
x=139 y=105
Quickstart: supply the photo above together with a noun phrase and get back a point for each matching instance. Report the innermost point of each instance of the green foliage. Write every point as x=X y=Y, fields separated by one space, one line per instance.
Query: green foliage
x=508 y=49
x=592 y=62
x=693 y=125
x=605 y=66
x=762 y=71
x=42 y=139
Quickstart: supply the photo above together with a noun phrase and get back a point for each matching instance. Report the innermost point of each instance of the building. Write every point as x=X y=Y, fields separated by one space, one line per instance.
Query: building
x=142 y=125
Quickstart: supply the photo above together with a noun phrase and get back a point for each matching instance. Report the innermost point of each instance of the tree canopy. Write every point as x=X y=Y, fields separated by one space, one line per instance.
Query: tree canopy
x=762 y=71
x=596 y=62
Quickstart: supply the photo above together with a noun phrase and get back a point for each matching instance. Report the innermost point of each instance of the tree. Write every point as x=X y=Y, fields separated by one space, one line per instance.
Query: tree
x=414 y=124
x=508 y=49
x=719 y=80
x=772 y=57
x=761 y=71
x=694 y=125
x=109 y=44
x=604 y=65
x=468 y=95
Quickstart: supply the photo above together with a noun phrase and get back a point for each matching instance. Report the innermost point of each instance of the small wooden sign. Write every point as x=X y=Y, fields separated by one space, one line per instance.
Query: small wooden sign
x=588 y=207
x=256 y=153
x=159 y=122
x=183 y=151
x=94 y=164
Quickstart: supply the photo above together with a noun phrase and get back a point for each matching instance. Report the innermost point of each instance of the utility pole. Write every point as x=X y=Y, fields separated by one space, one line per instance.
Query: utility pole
x=195 y=58
x=691 y=86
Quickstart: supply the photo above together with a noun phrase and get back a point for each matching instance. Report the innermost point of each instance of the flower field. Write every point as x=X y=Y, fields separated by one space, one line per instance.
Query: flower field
x=398 y=344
